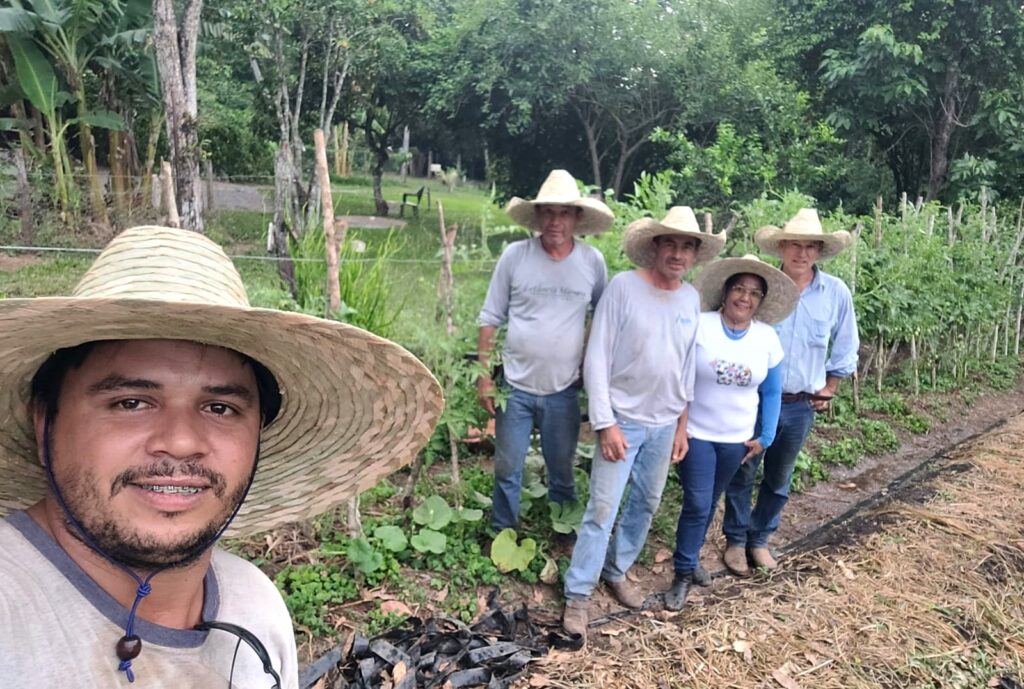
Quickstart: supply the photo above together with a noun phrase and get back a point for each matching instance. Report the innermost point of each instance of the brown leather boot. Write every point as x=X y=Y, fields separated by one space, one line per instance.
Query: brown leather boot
x=762 y=557
x=736 y=560
x=626 y=593
x=576 y=616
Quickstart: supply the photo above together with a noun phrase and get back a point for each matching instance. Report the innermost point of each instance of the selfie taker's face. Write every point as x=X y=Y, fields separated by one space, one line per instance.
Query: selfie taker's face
x=153 y=444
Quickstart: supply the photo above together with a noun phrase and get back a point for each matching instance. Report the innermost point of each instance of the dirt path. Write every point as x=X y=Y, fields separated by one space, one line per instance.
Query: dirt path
x=248 y=197
x=925 y=590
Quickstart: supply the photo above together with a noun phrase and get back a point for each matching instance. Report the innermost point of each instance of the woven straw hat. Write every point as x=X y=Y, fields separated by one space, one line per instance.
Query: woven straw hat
x=355 y=407
x=560 y=188
x=802 y=227
x=780 y=301
x=639 y=240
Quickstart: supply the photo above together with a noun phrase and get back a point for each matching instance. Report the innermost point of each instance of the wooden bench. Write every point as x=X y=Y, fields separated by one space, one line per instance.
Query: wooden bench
x=415 y=205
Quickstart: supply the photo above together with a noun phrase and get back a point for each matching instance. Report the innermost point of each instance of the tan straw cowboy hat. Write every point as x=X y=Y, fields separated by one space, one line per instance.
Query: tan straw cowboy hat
x=802 y=227
x=639 y=240
x=779 y=302
x=355 y=407
x=560 y=189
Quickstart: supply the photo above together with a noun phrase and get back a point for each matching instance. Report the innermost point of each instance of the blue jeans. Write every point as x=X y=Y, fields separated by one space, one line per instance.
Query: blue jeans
x=752 y=529
x=704 y=473
x=557 y=416
x=597 y=553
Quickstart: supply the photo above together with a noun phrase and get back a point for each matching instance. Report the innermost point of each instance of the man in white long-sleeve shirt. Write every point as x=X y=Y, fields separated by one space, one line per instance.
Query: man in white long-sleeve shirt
x=639 y=374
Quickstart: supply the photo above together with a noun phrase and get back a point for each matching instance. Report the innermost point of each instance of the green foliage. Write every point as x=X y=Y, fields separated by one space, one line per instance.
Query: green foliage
x=879 y=437
x=510 y=555
x=391 y=537
x=308 y=590
x=429 y=541
x=567 y=517
x=433 y=512
x=361 y=554
x=807 y=471
x=364 y=281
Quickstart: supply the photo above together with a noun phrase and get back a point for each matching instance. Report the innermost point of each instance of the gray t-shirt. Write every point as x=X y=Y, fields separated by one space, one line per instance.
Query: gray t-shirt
x=60 y=628
x=545 y=304
x=640 y=358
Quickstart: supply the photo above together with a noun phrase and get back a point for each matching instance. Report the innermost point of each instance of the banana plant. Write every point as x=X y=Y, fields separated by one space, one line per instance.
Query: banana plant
x=71 y=33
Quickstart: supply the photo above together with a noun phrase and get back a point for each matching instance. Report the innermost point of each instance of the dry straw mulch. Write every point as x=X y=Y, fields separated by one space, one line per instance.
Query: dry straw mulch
x=927 y=591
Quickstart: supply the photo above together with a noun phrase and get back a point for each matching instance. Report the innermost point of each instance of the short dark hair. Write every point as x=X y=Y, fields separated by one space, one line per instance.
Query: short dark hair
x=49 y=379
x=736 y=277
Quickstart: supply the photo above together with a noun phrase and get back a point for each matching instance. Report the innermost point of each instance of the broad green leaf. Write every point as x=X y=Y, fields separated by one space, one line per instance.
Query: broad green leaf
x=433 y=512
x=481 y=499
x=392 y=538
x=535 y=490
x=35 y=73
x=469 y=514
x=102 y=119
x=16 y=20
x=429 y=541
x=364 y=557
x=13 y=123
x=508 y=555
x=566 y=517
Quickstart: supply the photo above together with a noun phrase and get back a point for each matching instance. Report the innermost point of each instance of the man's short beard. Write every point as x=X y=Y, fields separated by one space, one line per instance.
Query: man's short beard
x=123 y=543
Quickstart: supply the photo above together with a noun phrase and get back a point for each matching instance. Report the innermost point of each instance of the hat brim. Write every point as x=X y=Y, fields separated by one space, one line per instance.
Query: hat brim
x=638 y=244
x=355 y=407
x=595 y=216
x=782 y=297
x=767 y=239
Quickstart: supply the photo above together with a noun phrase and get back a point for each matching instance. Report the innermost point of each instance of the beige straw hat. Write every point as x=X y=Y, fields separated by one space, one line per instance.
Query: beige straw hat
x=355 y=407
x=802 y=227
x=779 y=302
x=639 y=240
x=560 y=188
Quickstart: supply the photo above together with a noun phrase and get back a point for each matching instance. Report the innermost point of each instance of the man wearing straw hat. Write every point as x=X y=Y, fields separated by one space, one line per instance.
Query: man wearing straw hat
x=820 y=342
x=639 y=374
x=542 y=289
x=145 y=416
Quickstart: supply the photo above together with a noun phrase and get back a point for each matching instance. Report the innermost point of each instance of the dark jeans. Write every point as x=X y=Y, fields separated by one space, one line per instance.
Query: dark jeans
x=704 y=474
x=557 y=417
x=752 y=528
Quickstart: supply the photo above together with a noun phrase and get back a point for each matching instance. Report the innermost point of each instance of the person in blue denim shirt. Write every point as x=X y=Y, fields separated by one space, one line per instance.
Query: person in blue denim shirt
x=542 y=290
x=639 y=373
x=820 y=342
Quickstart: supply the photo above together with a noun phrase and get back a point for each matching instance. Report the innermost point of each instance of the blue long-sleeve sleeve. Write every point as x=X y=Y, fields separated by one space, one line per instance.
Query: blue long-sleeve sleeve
x=770 y=393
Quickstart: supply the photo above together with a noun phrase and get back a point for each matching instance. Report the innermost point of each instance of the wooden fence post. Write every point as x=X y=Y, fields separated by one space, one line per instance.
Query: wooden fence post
x=28 y=230
x=208 y=170
x=327 y=201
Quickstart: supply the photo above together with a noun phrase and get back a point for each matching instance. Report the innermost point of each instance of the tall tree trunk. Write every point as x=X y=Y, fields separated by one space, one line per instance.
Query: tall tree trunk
x=176 y=63
x=119 y=186
x=88 y=146
x=943 y=131
x=380 y=159
x=156 y=120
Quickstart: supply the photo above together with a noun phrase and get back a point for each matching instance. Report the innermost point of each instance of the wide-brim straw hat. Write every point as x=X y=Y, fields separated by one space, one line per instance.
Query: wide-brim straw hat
x=779 y=302
x=638 y=244
x=802 y=227
x=355 y=407
x=560 y=188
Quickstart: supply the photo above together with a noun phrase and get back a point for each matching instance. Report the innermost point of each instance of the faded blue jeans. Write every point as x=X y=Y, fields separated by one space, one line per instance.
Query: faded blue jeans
x=557 y=417
x=704 y=474
x=598 y=554
x=753 y=528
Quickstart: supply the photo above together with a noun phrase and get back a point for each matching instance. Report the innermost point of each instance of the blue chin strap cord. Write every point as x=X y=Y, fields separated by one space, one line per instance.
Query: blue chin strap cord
x=130 y=645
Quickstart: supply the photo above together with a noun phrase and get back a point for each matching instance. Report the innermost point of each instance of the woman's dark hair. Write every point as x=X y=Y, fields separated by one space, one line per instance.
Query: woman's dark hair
x=736 y=277
x=48 y=380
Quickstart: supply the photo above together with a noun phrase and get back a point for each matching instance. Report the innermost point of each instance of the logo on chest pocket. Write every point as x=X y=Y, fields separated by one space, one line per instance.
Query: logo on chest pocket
x=731 y=373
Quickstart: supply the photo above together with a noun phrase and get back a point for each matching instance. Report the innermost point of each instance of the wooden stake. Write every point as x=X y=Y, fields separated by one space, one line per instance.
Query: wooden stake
x=913 y=362
x=445 y=298
x=327 y=201
x=167 y=194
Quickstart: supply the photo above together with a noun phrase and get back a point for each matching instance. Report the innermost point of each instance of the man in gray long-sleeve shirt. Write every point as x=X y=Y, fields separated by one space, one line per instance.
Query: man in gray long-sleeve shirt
x=639 y=374
x=542 y=288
